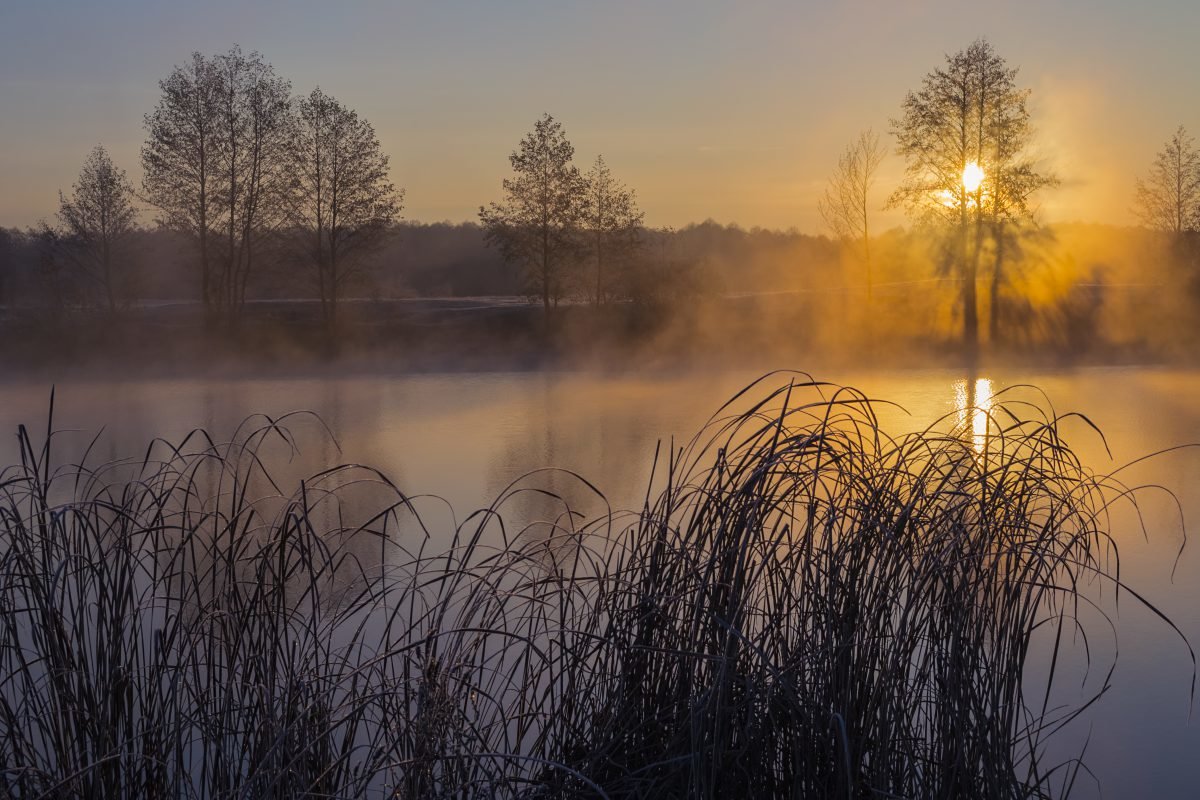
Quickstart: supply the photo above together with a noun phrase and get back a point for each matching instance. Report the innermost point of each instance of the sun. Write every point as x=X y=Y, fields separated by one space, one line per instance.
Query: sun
x=972 y=176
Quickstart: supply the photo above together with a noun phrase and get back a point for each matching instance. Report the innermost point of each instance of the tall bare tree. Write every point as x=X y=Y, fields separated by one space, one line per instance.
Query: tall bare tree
x=963 y=135
x=255 y=130
x=343 y=200
x=1012 y=225
x=611 y=220
x=97 y=221
x=1168 y=200
x=1012 y=179
x=537 y=223
x=181 y=161
x=215 y=164
x=846 y=204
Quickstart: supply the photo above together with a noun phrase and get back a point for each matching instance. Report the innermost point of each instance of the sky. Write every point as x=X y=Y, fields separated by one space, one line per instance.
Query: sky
x=731 y=111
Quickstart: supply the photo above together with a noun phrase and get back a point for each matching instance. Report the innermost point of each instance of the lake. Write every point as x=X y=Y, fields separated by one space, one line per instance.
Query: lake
x=465 y=437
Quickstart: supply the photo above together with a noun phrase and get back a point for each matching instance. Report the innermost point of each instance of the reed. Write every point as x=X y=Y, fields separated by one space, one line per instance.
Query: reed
x=804 y=607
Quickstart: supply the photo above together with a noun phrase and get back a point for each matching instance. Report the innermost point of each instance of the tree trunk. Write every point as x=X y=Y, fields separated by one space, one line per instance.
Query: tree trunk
x=970 y=301
x=870 y=322
x=205 y=270
x=331 y=320
x=997 y=280
x=599 y=269
x=106 y=263
x=545 y=270
x=321 y=284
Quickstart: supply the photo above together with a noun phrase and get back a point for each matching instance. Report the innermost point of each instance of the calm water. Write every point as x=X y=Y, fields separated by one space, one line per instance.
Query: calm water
x=465 y=437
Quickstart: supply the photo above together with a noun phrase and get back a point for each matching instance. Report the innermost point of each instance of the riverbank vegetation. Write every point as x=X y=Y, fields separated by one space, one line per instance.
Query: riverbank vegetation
x=803 y=606
x=435 y=294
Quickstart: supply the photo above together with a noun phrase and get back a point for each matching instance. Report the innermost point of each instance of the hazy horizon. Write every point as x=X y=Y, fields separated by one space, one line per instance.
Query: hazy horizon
x=709 y=112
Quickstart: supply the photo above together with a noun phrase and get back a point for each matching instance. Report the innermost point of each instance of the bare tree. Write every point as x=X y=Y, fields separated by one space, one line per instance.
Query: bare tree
x=343 y=200
x=1012 y=225
x=1168 y=200
x=611 y=220
x=215 y=164
x=96 y=223
x=180 y=160
x=962 y=135
x=1012 y=179
x=537 y=223
x=255 y=129
x=846 y=204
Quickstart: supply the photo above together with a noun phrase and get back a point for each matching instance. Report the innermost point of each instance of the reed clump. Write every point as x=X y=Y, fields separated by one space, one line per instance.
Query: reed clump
x=804 y=607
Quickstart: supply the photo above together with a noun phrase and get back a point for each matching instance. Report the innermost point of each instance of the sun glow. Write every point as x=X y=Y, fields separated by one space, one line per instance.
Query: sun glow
x=972 y=176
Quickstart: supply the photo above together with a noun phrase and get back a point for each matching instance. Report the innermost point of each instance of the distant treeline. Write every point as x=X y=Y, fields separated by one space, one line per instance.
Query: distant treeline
x=426 y=260
x=1076 y=289
x=261 y=194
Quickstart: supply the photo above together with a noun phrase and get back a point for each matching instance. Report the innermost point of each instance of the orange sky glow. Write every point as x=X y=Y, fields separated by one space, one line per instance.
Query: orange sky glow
x=735 y=112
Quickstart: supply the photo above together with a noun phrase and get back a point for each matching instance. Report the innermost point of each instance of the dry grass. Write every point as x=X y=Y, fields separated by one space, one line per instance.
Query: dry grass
x=806 y=608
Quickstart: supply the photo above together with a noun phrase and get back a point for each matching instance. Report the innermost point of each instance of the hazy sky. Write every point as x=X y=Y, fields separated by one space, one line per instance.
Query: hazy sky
x=734 y=111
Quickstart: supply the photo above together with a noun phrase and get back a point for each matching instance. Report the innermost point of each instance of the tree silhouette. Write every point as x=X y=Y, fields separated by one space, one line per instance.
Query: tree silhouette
x=611 y=220
x=343 y=200
x=180 y=161
x=256 y=121
x=96 y=222
x=845 y=207
x=963 y=136
x=1168 y=200
x=1012 y=179
x=215 y=164
x=537 y=223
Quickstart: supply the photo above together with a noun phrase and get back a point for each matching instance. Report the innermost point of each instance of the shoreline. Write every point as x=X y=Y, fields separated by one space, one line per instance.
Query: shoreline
x=483 y=335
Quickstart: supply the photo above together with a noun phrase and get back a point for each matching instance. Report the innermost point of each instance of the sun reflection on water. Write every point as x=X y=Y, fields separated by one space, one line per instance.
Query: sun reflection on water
x=973 y=401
